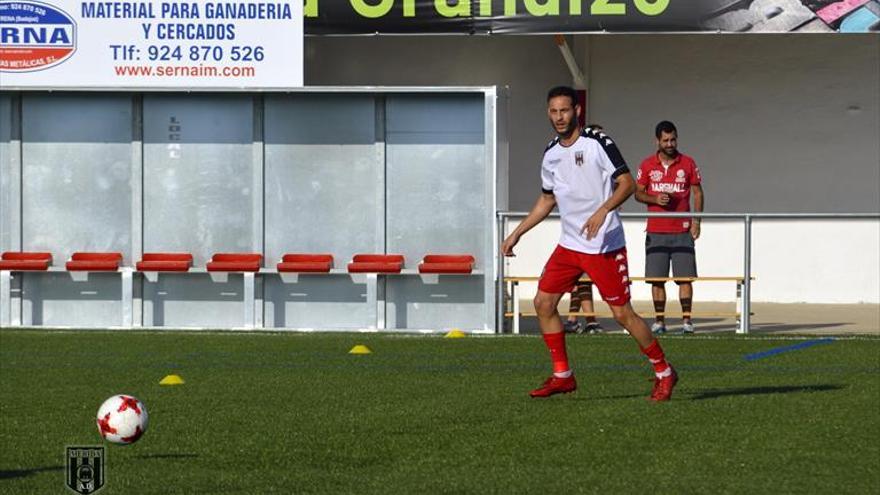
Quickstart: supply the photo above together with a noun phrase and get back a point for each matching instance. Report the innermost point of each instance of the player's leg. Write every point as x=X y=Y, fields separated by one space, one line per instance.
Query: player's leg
x=559 y=276
x=657 y=259
x=684 y=264
x=610 y=273
x=665 y=376
x=546 y=304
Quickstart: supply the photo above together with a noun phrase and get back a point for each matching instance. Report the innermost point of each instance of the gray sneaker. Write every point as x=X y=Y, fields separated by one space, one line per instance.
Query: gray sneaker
x=573 y=327
x=658 y=328
x=593 y=327
x=687 y=328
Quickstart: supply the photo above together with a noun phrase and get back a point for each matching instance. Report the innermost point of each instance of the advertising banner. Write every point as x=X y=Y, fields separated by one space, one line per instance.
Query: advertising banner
x=59 y=44
x=329 y=17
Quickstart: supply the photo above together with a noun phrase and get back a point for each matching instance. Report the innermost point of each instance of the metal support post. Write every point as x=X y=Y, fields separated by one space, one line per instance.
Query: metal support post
x=248 y=299
x=5 y=298
x=514 y=294
x=127 y=297
x=499 y=319
x=371 y=281
x=745 y=317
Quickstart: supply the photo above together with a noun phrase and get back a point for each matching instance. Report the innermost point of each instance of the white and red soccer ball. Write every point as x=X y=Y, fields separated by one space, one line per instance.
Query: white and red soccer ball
x=122 y=419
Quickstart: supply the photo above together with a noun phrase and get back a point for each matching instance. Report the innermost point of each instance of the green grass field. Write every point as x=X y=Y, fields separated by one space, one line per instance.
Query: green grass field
x=295 y=413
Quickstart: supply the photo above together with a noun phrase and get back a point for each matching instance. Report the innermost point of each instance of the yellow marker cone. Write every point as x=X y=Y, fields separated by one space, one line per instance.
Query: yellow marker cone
x=360 y=349
x=172 y=380
x=455 y=334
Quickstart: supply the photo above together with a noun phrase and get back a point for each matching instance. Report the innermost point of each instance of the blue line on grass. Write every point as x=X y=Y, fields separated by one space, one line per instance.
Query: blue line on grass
x=795 y=347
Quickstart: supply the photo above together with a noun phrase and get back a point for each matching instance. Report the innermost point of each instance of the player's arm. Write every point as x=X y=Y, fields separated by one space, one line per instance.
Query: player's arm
x=697 y=192
x=545 y=204
x=625 y=186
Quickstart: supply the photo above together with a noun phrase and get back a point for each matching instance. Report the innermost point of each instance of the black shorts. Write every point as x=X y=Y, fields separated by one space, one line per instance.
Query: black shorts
x=661 y=250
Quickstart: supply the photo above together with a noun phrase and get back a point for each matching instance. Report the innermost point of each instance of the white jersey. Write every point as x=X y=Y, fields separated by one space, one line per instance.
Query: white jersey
x=581 y=176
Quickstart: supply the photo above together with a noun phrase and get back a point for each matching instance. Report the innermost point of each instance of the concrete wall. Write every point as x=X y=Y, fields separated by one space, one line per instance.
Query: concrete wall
x=776 y=122
x=527 y=65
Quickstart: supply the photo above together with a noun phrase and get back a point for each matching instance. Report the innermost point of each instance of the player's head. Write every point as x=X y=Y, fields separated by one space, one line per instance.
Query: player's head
x=667 y=138
x=563 y=110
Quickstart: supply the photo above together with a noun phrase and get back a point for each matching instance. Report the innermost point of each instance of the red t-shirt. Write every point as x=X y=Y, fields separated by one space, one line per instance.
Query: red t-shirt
x=676 y=181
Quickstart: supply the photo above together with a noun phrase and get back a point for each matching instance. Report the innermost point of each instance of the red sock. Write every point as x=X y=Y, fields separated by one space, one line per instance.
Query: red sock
x=556 y=343
x=657 y=358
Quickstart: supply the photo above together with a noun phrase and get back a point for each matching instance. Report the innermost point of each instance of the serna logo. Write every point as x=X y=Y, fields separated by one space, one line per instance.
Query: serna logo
x=34 y=36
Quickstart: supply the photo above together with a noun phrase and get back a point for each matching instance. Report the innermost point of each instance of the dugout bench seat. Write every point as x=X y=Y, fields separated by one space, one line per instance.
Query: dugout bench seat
x=165 y=262
x=514 y=311
x=82 y=261
x=367 y=268
x=17 y=261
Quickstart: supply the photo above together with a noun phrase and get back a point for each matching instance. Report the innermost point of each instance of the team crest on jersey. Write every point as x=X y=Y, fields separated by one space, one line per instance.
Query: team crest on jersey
x=579 y=158
x=680 y=176
x=656 y=175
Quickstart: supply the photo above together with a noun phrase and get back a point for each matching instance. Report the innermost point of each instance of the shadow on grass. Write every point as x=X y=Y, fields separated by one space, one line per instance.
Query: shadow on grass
x=589 y=398
x=794 y=327
x=166 y=456
x=24 y=473
x=788 y=389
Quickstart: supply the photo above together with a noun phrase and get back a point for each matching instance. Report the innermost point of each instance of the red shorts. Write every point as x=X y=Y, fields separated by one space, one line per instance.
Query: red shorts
x=608 y=271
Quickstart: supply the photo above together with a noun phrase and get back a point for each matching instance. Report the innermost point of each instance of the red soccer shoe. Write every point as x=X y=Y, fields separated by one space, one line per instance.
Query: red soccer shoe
x=555 y=385
x=663 y=387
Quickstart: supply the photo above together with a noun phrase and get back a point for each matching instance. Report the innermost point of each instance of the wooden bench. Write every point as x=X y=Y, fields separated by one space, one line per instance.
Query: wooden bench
x=512 y=284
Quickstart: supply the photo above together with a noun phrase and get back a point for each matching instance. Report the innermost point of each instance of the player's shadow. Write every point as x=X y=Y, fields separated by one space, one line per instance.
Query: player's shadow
x=786 y=389
x=166 y=456
x=24 y=473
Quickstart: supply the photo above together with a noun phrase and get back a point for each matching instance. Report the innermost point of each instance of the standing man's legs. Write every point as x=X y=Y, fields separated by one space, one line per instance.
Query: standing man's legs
x=582 y=300
x=657 y=260
x=592 y=324
x=658 y=294
x=571 y=324
x=686 y=297
x=684 y=264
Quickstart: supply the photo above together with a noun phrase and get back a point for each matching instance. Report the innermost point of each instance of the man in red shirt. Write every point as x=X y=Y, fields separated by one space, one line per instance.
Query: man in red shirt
x=665 y=182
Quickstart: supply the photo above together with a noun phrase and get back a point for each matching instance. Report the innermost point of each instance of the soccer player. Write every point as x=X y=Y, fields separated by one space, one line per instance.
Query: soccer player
x=582 y=295
x=577 y=173
x=665 y=182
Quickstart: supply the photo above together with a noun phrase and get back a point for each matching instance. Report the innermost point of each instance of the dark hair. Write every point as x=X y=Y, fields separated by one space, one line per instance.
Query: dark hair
x=665 y=126
x=564 y=91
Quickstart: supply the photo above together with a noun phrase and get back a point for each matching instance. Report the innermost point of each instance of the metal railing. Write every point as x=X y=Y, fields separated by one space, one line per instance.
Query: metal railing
x=747 y=218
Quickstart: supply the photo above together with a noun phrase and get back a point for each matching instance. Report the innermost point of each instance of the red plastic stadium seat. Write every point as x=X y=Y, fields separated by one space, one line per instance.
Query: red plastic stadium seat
x=306 y=263
x=235 y=262
x=376 y=263
x=23 y=261
x=165 y=262
x=447 y=263
x=94 y=262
